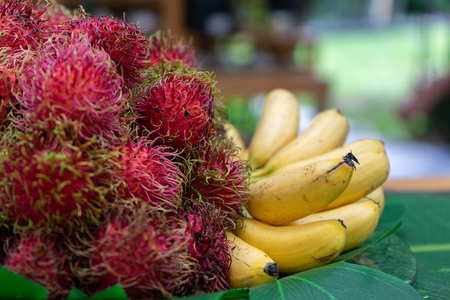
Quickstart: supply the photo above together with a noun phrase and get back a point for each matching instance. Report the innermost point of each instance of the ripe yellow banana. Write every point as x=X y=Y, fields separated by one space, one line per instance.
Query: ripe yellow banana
x=357 y=147
x=296 y=248
x=360 y=218
x=377 y=196
x=232 y=133
x=295 y=194
x=277 y=126
x=327 y=131
x=249 y=265
x=371 y=173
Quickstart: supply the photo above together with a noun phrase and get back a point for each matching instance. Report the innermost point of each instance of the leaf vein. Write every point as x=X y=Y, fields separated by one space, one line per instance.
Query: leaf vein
x=316 y=286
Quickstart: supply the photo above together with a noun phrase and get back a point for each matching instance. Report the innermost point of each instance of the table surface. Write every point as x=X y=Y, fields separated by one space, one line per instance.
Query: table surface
x=426 y=184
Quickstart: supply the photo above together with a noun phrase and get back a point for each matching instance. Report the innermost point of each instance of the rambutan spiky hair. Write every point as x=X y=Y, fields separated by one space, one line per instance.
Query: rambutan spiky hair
x=42 y=257
x=51 y=184
x=21 y=24
x=143 y=252
x=150 y=173
x=217 y=177
x=57 y=16
x=179 y=107
x=69 y=82
x=168 y=53
x=124 y=42
x=208 y=246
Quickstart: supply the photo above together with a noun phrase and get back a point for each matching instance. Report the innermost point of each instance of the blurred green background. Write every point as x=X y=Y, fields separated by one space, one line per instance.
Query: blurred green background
x=373 y=66
x=373 y=71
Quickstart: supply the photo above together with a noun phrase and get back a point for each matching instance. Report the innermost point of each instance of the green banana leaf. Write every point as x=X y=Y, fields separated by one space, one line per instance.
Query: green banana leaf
x=339 y=280
x=115 y=292
x=426 y=230
x=14 y=286
x=392 y=256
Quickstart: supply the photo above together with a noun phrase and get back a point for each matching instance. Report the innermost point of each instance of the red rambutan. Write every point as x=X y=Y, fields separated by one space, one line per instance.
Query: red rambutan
x=167 y=52
x=179 y=107
x=57 y=16
x=124 y=42
x=6 y=98
x=20 y=24
x=218 y=178
x=145 y=253
x=49 y=184
x=69 y=82
x=11 y=64
x=149 y=173
x=42 y=258
x=208 y=246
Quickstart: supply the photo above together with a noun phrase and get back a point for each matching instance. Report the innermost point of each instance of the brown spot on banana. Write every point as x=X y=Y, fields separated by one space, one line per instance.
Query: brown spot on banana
x=325 y=258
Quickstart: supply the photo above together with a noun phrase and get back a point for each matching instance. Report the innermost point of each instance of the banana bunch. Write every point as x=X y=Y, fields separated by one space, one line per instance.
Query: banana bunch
x=313 y=196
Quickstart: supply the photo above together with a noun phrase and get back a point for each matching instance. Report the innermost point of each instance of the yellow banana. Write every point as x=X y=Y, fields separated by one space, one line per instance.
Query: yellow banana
x=357 y=147
x=327 y=131
x=377 y=196
x=249 y=265
x=372 y=171
x=295 y=194
x=296 y=248
x=360 y=218
x=232 y=133
x=370 y=174
x=277 y=126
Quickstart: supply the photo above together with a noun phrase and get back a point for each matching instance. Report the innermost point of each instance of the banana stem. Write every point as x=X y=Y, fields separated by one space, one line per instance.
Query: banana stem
x=260 y=172
x=254 y=179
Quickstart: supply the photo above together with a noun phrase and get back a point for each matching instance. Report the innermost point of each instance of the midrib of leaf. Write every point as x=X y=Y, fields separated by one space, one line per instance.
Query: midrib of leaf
x=280 y=289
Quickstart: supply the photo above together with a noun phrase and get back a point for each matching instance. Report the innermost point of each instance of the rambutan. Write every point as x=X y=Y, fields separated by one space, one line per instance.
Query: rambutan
x=21 y=24
x=145 y=253
x=51 y=184
x=208 y=246
x=218 y=178
x=6 y=98
x=11 y=65
x=69 y=82
x=150 y=173
x=57 y=16
x=125 y=43
x=168 y=53
x=42 y=258
x=179 y=107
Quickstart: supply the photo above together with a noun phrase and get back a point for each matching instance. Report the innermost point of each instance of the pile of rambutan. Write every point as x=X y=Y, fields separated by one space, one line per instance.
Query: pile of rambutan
x=114 y=165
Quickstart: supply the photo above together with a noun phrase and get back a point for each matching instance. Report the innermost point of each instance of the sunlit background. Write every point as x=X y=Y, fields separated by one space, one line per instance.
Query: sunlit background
x=368 y=58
